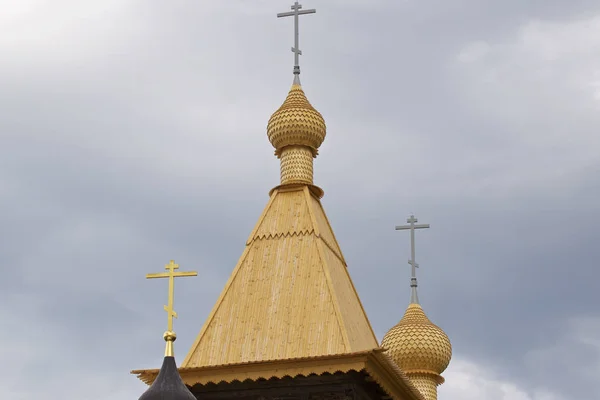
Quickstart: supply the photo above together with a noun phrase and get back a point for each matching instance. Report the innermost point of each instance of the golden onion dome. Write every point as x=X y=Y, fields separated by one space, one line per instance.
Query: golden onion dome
x=416 y=344
x=296 y=122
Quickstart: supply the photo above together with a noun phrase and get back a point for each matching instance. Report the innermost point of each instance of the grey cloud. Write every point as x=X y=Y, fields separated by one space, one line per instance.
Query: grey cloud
x=123 y=154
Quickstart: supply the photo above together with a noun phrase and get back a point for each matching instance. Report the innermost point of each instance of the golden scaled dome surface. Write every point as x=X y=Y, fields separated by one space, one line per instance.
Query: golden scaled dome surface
x=296 y=122
x=418 y=345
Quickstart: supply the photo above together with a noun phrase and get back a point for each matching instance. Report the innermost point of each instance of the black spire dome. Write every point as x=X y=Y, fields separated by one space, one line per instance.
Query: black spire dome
x=168 y=385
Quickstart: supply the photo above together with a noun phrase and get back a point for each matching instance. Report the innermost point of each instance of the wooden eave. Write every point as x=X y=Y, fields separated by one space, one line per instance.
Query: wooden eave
x=374 y=362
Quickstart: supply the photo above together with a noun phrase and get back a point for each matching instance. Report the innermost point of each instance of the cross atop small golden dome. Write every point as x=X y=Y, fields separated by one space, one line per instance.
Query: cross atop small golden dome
x=419 y=347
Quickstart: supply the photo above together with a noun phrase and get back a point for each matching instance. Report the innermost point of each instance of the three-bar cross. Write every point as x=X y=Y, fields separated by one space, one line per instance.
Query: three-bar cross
x=413 y=280
x=296 y=49
x=171 y=274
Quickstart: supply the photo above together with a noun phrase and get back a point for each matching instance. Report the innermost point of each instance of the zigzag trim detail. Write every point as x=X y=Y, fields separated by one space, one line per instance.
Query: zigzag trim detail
x=305 y=232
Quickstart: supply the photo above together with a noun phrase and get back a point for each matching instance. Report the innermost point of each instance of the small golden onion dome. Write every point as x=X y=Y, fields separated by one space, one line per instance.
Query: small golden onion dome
x=296 y=122
x=416 y=344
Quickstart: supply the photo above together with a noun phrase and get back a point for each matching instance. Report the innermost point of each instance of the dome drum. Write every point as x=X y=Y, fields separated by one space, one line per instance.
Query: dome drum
x=296 y=165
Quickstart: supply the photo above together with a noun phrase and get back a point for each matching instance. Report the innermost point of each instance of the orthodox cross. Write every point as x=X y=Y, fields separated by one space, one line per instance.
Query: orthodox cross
x=296 y=49
x=413 y=280
x=171 y=274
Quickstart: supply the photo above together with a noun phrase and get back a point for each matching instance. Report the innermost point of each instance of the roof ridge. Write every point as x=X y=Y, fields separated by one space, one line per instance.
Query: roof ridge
x=336 y=305
x=335 y=246
x=340 y=257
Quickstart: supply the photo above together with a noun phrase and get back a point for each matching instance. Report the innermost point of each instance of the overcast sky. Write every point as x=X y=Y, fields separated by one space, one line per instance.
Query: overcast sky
x=133 y=132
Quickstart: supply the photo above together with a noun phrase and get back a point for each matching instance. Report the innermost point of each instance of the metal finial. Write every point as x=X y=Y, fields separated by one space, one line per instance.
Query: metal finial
x=169 y=335
x=414 y=298
x=296 y=7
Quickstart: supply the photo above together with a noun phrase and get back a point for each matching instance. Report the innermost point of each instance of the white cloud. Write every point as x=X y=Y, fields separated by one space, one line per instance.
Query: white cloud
x=538 y=92
x=467 y=380
x=529 y=74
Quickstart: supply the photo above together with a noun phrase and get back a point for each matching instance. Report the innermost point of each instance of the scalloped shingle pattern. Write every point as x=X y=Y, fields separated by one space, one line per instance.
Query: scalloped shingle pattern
x=296 y=165
x=296 y=122
x=416 y=344
x=426 y=384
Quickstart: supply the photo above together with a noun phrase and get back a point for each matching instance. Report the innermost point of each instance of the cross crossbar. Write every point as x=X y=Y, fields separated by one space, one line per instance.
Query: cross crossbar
x=171 y=274
x=296 y=12
x=413 y=279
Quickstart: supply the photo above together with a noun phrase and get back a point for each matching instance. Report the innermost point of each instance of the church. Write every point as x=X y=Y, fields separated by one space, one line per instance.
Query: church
x=289 y=324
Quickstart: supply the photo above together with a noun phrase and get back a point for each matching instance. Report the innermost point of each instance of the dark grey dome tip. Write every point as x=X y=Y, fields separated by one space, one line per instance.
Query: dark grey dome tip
x=168 y=384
